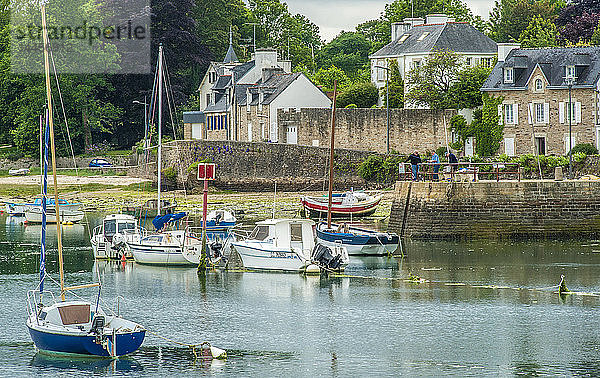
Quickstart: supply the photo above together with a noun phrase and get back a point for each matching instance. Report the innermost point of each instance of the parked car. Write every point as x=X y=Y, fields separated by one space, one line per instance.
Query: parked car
x=99 y=163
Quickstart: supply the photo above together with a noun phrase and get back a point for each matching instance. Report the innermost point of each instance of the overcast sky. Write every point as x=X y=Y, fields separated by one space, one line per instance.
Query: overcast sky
x=333 y=16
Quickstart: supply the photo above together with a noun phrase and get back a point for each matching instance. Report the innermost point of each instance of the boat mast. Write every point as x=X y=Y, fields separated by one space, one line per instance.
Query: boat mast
x=331 y=147
x=160 y=71
x=52 y=148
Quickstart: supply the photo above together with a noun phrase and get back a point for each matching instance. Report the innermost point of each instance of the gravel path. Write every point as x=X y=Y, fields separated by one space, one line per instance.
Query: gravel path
x=72 y=180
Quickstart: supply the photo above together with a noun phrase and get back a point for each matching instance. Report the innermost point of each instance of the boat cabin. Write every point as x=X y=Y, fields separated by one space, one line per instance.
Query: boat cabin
x=286 y=233
x=72 y=313
x=117 y=223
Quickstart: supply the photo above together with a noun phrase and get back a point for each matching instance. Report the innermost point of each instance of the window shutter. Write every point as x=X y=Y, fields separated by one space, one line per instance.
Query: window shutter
x=561 y=112
x=530 y=113
x=516 y=114
x=546 y=113
x=578 y=112
x=500 y=120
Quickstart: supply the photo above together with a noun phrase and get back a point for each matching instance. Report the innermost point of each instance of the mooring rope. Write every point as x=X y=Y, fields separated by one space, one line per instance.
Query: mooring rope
x=191 y=346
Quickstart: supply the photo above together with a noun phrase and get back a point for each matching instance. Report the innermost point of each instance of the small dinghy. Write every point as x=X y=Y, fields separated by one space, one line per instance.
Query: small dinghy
x=355 y=204
x=288 y=245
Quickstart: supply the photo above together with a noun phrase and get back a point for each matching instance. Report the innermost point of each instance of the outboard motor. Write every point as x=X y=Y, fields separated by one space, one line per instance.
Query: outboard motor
x=98 y=325
x=324 y=257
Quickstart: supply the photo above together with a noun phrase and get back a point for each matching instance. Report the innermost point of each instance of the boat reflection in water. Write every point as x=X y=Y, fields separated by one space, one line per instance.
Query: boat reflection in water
x=93 y=366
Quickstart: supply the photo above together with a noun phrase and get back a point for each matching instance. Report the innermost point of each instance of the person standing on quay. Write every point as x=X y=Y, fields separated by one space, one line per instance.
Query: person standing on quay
x=415 y=160
x=453 y=161
x=435 y=159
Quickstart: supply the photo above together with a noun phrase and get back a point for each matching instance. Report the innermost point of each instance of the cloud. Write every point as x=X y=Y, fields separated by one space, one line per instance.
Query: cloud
x=333 y=16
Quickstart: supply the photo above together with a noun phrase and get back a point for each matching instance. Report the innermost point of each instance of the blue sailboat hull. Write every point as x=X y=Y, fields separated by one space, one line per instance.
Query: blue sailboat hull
x=85 y=344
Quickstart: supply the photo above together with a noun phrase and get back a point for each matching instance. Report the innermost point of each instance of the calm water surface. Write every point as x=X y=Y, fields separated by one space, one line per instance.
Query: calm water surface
x=488 y=310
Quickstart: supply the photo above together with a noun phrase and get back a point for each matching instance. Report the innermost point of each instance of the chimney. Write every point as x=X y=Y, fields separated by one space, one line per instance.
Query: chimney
x=399 y=28
x=413 y=21
x=265 y=58
x=438 y=18
x=267 y=73
x=505 y=48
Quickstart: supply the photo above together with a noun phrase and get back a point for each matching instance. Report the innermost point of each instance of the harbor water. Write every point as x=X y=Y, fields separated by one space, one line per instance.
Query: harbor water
x=486 y=308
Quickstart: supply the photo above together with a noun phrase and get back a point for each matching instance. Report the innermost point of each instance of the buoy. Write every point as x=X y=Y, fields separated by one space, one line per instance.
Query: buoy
x=562 y=287
x=218 y=353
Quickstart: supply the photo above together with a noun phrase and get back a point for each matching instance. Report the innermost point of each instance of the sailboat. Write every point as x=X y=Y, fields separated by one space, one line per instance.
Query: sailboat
x=75 y=326
x=162 y=247
x=357 y=241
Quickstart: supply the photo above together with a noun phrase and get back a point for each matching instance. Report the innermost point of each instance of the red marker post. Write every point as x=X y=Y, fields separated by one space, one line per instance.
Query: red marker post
x=206 y=173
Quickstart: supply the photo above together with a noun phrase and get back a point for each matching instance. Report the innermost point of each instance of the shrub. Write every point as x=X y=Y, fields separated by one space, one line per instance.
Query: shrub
x=351 y=106
x=376 y=168
x=170 y=173
x=586 y=148
x=363 y=95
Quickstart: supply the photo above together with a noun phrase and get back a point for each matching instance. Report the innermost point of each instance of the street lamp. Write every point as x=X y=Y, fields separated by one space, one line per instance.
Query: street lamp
x=145 y=120
x=570 y=80
x=387 y=102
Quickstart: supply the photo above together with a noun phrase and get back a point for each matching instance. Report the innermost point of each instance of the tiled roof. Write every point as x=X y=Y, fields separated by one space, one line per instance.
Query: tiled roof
x=552 y=62
x=454 y=36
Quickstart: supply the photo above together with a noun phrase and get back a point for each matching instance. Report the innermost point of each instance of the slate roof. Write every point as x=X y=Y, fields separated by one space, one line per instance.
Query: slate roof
x=230 y=56
x=242 y=69
x=220 y=105
x=193 y=117
x=271 y=88
x=454 y=36
x=222 y=82
x=552 y=62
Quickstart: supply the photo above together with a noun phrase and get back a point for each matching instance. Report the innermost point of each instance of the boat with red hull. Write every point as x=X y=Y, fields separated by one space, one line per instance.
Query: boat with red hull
x=355 y=204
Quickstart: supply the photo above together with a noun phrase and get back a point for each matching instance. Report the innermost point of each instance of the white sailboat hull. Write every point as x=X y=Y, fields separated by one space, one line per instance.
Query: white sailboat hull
x=360 y=250
x=264 y=256
x=158 y=255
x=34 y=215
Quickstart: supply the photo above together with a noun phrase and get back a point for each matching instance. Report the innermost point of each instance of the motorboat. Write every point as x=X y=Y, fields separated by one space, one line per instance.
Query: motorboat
x=288 y=245
x=19 y=208
x=358 y=241
x=351 y=203
x=109 y=240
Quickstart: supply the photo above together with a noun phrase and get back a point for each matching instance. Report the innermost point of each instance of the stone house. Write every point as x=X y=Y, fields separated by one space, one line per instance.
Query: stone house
x=415 y=39
x=258 y=116
x=536 y=113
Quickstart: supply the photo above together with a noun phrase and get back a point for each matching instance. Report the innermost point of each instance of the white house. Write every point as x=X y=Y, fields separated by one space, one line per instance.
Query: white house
x=414 y=39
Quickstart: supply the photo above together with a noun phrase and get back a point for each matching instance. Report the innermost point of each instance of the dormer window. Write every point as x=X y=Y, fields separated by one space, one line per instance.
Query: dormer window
x=422 y=37
x=539 y=85
x=570 y=72
x=403 y=38
x=509 y=75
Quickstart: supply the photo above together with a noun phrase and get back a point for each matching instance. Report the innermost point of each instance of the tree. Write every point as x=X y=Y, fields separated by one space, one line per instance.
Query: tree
x=509 y=18
x=596 y=36
x=539 y=33
x=581 y=29
x=348 y=51
x=363 y=95
x=485 y=128
x=378 y=31
x=465 y=91
x=396 y=86
x=326 y=76
x=430 y=83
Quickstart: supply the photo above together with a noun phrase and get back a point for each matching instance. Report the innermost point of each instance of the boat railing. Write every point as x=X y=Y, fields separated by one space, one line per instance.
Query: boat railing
x=97 y=231
x=34 y=301
x=135 y=231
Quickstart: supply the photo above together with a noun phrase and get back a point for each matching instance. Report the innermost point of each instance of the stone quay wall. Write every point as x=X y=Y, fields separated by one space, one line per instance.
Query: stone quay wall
x=366 y=129
x=67 y=162
x=466 y=210
x=257 y=166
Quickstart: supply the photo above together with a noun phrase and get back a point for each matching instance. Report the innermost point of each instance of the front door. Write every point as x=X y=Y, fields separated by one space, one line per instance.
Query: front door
x=292 y=135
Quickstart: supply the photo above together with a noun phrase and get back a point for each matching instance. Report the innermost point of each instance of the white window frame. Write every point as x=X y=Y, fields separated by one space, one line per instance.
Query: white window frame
x=249 y=131
x=469 y=61
x=509 y=115
x=380 y=71
x=403 y=38
x=570 y=72
x=573 y=141
x=509 y=75
x=509 y=146
x=423 y=36
x=541 y=85
x=539 y=112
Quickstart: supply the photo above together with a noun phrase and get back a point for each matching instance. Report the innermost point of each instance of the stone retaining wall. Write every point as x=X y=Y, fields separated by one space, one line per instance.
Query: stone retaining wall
x=255 y=166
x=541 y=209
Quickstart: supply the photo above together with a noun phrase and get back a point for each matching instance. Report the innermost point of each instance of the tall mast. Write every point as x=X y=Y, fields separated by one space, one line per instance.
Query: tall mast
x=160 y=82
x=53 y=149
x=331 y=147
